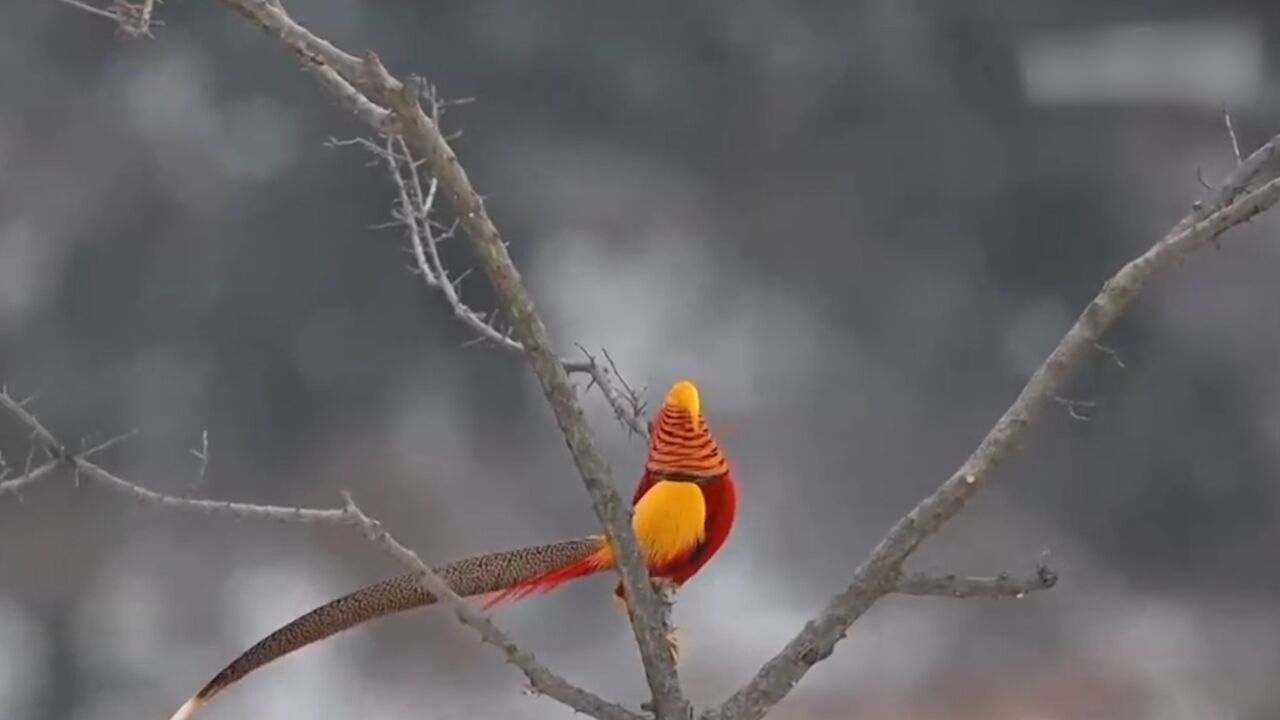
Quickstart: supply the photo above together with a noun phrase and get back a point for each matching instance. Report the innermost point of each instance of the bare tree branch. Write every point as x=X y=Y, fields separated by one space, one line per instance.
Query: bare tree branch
x=1261 y=162
x=643 y=605
x=393 y=108
x=541 y=679
x=1002 y=585
x=415 y=205
x=628 y=407
x=133 y=18
x=93 y=10
x=879 y=573
x=420 y=132
x=29 y=477
x=83 y=468
x=352 y=99
x=415 y=214
x=38 y=431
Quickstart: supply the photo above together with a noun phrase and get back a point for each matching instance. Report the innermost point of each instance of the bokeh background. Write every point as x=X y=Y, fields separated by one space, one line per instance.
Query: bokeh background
x=858 y=225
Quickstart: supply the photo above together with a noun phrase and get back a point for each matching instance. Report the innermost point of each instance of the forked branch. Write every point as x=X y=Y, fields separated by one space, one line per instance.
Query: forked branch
x=1235 y=202
x=133 y=18
x=876 y=576
x=393 y=108
x=78 y=463
x=1003 y=585
x=541 y=679
x=415 y=211
x=406 y=118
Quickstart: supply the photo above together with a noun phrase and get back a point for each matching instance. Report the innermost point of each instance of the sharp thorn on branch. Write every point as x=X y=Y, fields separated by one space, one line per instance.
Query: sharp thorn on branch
x=1072 y=405
x=1111 y=353
x=1200 y=179
x=1231 y=133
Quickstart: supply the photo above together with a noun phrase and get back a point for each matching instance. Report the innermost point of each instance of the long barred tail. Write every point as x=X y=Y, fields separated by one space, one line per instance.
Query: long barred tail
x=598 y=561
x=479 y=575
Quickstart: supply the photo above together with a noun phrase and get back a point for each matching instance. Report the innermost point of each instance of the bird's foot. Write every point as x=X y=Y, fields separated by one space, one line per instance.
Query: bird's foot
x=666 y=589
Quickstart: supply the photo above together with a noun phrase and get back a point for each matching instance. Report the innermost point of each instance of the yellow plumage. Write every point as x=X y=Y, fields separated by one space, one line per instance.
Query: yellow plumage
x=684 y=395
x=670 y=521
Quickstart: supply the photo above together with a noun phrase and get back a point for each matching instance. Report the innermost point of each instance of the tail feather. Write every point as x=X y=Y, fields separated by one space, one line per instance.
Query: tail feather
x=188 y=709
x=550 y=580
x=473 y=576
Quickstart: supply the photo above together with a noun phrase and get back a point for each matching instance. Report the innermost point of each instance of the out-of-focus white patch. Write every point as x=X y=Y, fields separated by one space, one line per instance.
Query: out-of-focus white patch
x=1181 y=661
x=736 y=621
x=1201 y=63
x=169 y=381
x=128 y=626
x=429 y=434
x=261 y=597
x=119 y=626
x=1035 y=330
x=317 y=681
x=258 y=140
x=23 y=653
x=169 y=96
x=26 y=270
x=663 y=311
x=125 y=630
x=167 y=101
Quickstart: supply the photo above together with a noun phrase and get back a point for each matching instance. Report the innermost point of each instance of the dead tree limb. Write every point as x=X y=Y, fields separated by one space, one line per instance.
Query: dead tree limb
x=541 y=679
x=879 y=573
x=407 y=119
x=393 y=107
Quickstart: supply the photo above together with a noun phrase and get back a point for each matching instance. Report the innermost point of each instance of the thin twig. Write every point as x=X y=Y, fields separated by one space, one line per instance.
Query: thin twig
x=109 y=443
x=241 y=511
x=38 y=431
x=1000 y=586
x=414 y=212
x=415 y=206
x=1110 y=353
x=203 y=456
x=30 y=476
x=1231 y=132
x=113 y=17
x=627 y=405
x=78 y=463
x=541 y=679
x=1243 y=178
x=1072 y=405
x=135 y=18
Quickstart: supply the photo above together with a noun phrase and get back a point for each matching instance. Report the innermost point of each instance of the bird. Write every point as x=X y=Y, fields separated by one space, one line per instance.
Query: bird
x=683 y=510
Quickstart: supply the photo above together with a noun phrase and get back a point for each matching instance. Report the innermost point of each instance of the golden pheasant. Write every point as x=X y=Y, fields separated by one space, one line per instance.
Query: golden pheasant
x=683 y=510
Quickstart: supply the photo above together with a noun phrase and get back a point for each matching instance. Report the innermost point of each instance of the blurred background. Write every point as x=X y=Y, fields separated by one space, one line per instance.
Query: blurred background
x=857 y=225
